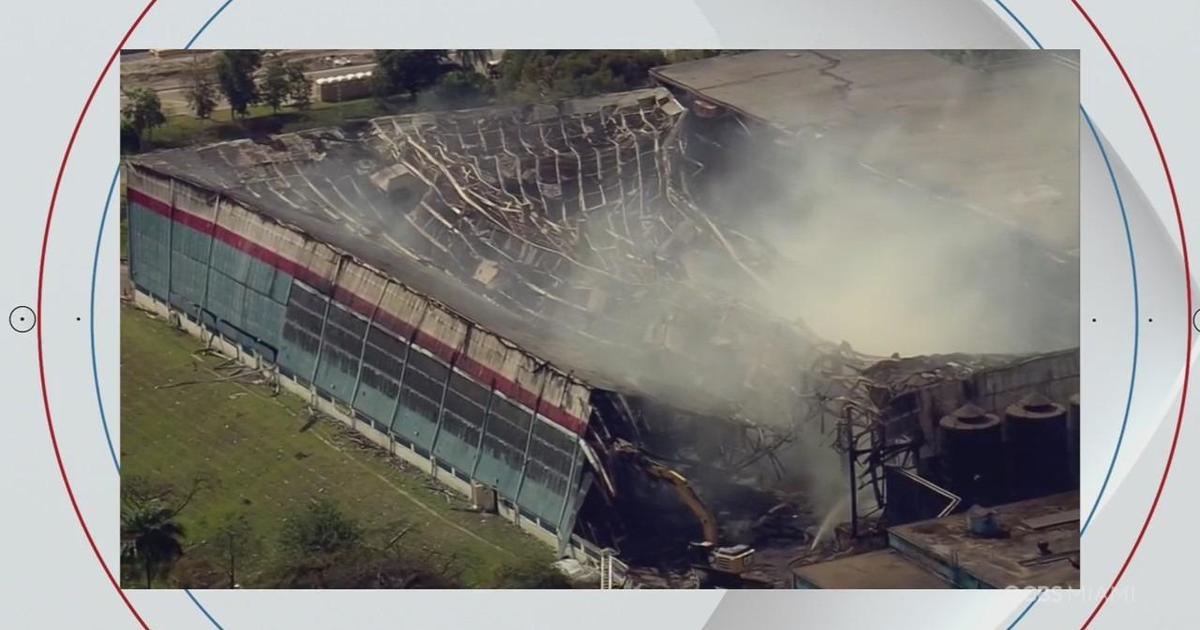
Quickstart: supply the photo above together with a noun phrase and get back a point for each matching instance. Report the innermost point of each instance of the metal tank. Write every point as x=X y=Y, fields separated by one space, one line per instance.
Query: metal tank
x=1038 y=461
x=972 y=455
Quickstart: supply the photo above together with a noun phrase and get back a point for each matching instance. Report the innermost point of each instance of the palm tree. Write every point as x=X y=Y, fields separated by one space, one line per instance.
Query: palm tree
x=151 y=538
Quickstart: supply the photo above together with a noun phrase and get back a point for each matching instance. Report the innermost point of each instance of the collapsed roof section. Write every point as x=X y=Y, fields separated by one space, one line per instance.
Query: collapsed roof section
x=559 y=226
x=568 y=228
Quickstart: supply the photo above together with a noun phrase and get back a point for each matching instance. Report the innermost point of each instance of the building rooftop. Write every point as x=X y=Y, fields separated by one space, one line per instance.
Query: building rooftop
x=1040 y=546
x=917 y=117
x=341 y=78
x=885 y=568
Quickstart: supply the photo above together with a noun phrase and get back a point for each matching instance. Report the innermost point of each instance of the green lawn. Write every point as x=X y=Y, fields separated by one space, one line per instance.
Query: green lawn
x=185 y=129
x=261 y=463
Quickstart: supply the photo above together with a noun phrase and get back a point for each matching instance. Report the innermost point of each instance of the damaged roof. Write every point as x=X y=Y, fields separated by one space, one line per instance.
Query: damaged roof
x=553 y=225
x=565 y=227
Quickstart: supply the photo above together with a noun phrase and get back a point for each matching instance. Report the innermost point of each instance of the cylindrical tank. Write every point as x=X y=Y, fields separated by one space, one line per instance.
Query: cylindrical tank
x=1038 y=462
x=1073 y=432
x=973 y=455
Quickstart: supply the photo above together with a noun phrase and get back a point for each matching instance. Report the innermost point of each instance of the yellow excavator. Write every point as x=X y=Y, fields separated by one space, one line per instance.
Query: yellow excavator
x=730 y=560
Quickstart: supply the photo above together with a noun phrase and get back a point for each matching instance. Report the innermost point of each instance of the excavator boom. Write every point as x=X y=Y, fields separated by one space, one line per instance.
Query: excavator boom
x=708 y=522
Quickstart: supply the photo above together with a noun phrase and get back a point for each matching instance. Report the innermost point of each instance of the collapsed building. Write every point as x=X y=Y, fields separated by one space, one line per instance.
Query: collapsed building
x=555 y=308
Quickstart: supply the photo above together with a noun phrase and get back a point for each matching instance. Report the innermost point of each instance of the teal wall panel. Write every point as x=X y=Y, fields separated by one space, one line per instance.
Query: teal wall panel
x=148 y=234
x=263 y=318
x=547 y=470
x=502 y=452
x=225 y=298
x=413 y=425
x=374 y=402
x=191 y=243
x=187 y=283
x=230 y=261
x=420 y=397
x=259 y=276
x=463 y=409
x=334 y=375
x=281 y=287
x=379 y=382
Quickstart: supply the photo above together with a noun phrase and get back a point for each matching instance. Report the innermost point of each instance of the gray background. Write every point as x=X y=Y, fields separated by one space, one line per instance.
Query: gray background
x=55 y=53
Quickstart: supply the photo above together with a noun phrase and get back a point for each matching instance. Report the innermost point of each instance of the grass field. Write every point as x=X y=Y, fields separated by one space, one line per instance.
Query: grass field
x=264 y=463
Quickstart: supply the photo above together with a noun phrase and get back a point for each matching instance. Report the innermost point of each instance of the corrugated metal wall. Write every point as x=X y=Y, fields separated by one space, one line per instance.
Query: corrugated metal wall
x=415 y=371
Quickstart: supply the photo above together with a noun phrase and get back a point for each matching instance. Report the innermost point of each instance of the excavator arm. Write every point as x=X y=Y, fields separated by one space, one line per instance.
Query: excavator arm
x=708 y=522
x=729 y=561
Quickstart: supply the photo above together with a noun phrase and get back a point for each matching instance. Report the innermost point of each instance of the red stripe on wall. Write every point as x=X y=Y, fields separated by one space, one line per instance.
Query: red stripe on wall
x=364 y=307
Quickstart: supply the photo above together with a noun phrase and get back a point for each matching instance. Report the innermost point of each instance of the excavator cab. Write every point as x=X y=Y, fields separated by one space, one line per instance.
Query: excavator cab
x=734 y=559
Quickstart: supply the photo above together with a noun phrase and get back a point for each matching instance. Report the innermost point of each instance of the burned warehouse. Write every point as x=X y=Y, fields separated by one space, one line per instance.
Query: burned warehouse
x=586 y=314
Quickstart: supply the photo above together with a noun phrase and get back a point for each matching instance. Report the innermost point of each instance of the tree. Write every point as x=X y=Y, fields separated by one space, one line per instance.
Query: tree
x=151 y=539
x=143 y=110
x=201 y=93
x=386 y=568
x=131 y=142
x=462 y=88
x=274 y=88
x=315 y=539
x=408 y=70
x=235 y=77
x=299 y=87
x=360 y=564
x=233 y=541
x=320 y=528
x=532 y=75
x=285 y=83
